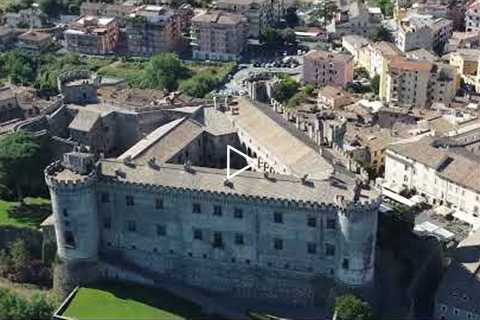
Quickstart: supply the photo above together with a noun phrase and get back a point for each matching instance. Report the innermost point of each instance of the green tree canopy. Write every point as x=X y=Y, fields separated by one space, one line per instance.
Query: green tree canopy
x=285 y=89
x=19 y=160
x=324 y=12
x=18 y=66
x=163 y=72
x=13 y=306
x=383 y=34
x=375 y=84
x=52 y=8
x=349 y=307
x=386 y=6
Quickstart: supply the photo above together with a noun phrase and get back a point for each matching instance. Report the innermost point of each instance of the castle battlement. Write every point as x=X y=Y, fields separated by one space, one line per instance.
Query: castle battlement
x=58 y=177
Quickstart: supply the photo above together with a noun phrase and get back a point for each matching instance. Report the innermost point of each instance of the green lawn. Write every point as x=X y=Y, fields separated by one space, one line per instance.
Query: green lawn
x=31 y=214
x=129 y=302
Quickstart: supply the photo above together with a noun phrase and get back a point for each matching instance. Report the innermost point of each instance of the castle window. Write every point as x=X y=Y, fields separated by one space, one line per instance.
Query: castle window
x=67 y=223
x=277 y=244
x=197 y=234
x=69 y=239
x=105 y=197
x=129 y=201
x=311 y=248
x=107 y=223
x=312 y=222
x=345 y=264
x=161 y=230
x=331 y=224
x=247 y=261
x=239 y=239
x=277 y=217
x=65 y=212
x=217 y=211
x=158 y=203
x=238 y=213
x=131 y=226
x=217 y=240
x=329 y=249
x=197 y=208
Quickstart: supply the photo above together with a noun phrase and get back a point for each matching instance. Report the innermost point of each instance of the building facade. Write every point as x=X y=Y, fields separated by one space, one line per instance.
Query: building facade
x=443 y=174
x=218 y=35
x=406 y=82
x=152 y=30
x=322 y=68
x=260 y=14
x=259 y=239
x=92 y=35
x=472 y=17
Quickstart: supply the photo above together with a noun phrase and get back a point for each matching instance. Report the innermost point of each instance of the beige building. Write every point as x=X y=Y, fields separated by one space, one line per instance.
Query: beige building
x=406 y=82
x=322 y=68
x=218 y=35
x=466 y=61
x=259 y=13
x=380 y=52
x=92 y=35
x=332 y=97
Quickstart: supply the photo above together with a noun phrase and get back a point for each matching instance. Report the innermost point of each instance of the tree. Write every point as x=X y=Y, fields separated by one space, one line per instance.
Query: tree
x=386 y=6
x=18 y=66
x=52 y=8
x=285 y=89
x=291 y=17
x=375 y=84
x=289 y=36
x=199 y=86
x=383 y=34
x=271 y=38
x=19 y=161
x=163 y=72
x=324 y=12
x=349 y=307
x=14 y=306
x=21 y=260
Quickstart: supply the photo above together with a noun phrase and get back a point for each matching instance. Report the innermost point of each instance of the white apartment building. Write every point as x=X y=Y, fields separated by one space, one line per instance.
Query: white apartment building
x=443 y=175
x=380 y=53
x=472 y=17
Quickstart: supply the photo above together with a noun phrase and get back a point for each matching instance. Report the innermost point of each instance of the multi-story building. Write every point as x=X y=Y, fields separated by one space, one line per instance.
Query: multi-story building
x=418 y=31
x=472 y=17
x=219 y=35
x=355 y=18
x=260 y=14
x=9 y=108
x=7 y=37
x=326 y=68
x=92 y=35
x=437 y=170
x=152 y=30
x=406 y=82
x=466 y=61
x=463 y=40
x=380 y=53
x=101 y=9
x=34 y=41
x=258 y=235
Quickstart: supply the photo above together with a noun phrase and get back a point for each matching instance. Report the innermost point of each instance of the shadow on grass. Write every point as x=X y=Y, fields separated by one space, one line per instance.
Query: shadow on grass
x=154 y=297
x=31 y=214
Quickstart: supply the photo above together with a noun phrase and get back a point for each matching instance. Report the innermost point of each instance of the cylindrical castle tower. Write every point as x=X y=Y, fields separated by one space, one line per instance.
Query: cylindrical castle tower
x=74 y=208
x=356 y=240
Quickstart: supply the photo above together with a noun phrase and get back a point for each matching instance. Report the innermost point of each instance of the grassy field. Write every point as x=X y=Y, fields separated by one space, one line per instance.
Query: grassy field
x=129 y=302
x=30 y=214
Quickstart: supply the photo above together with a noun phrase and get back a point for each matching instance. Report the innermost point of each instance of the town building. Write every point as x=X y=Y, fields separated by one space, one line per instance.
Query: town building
x=92 y=35
x=218 y=35
x=458 y=293
x=101 y=9
x=380 y=53
x=9 y=108
x=355 y=18
x=422 y=55
x=472 y=17
x=264 y=235
x=34 y=41
x=25 y=18
x=354 y=44
x=332 y=97
x=463 y=40
x=322 y=68
x=466 y=63
x=260 y=14
x=437 y=170
x=418 y=31
x=152 y=30
x=406 y=82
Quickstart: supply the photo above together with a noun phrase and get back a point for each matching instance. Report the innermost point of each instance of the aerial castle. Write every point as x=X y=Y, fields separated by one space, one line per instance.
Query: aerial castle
x=262 y=235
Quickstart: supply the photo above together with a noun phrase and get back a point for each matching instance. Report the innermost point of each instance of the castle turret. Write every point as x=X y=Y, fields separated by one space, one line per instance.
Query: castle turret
x=74 y=205
x=356 y=240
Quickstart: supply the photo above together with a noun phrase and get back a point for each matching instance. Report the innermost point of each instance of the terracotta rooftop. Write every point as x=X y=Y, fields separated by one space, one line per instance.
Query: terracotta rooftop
x=404 y=64
x=328 y=56
x=219 y=17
